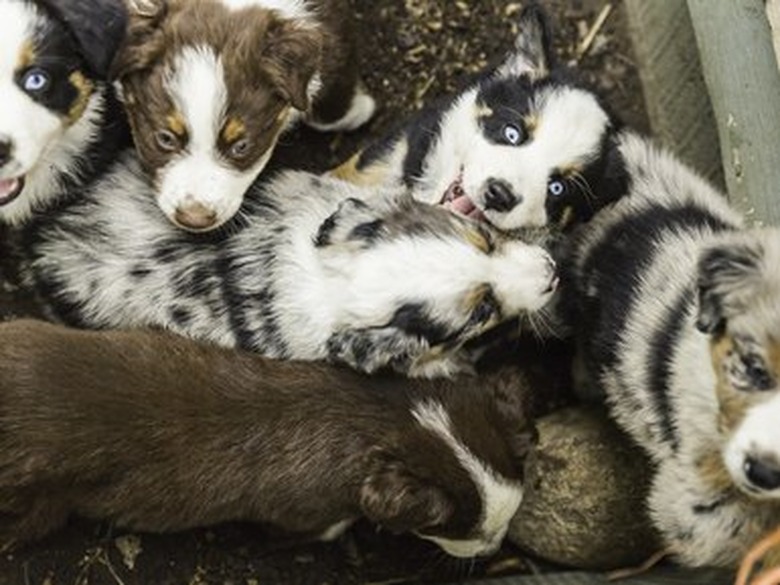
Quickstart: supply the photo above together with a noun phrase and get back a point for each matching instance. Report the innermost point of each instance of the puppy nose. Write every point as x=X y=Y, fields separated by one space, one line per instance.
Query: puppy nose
x=195 y=215
x=765 y=475
x=6 y=147
x=499 y=196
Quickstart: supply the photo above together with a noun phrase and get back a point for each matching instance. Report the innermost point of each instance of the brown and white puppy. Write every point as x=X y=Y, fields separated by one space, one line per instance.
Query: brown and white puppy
x=160 y=433
x=210 y=85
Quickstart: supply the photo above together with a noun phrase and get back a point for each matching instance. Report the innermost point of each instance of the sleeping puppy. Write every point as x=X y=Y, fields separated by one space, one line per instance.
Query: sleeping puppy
x=159 y=433
x=319 y=269
x=60 y=125
x=525 y=145
x=676 y=307
x=210 y=85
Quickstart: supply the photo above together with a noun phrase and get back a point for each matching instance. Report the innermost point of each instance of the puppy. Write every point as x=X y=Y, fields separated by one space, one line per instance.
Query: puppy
x=677 y=310
x=60 y=125
x=210 y=85
x=523 y=146
x=159 y=433
x=321 y=269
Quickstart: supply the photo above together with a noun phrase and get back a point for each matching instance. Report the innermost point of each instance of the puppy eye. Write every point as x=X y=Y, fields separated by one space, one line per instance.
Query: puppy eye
x=166 y=140
x=757 y=373
x=36 y=81
x=556 y=187
x=240 y=148
x=512 y=134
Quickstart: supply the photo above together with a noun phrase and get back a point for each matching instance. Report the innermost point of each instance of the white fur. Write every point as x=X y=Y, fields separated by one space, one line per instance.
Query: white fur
x=500 y=496
x=292 y=9
x=94 y=248
x=200 y=175
x=44 y=146
x=360 y=111
x=758 y=436
x=570 y=127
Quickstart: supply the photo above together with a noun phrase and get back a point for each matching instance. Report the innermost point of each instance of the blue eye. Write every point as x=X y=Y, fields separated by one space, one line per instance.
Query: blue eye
x=556 y=187
x=512 y=134
x=35 y=81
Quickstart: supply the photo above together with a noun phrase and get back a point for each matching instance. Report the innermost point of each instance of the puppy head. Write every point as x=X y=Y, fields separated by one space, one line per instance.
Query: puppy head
x=538 y=149
x=455 y=478
x=739 y=306
x=54 y=54
x=209 y=89
x=468 y=279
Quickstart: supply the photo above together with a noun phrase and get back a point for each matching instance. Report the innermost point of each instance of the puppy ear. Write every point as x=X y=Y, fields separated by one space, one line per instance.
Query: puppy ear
x=397 y=500
x=144 y=42
x=532 y=54
x=728 y=274
x=290 y=59
x=99 y=27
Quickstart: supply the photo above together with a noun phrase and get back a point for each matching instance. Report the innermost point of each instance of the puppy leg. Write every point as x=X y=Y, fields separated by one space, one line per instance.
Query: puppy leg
x=370 y=350
x=41 y=516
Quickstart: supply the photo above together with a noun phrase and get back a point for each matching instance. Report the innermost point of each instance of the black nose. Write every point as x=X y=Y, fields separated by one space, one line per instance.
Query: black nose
x=6 y=146
x=765 y=475
x=499 y=196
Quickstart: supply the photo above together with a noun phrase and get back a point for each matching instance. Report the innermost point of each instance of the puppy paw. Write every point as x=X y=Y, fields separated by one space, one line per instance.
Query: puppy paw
x=370 y=350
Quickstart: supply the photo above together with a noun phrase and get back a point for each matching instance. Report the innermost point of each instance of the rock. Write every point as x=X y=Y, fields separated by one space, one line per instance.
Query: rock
x=585 y=492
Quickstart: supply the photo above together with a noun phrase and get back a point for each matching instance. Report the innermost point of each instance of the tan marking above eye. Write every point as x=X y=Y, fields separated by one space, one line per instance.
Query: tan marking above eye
x=176 y=124
x=26 y=57
x=570 y=170
x=483 y=111
x=233 y=130
x=85 y=88
x=531 y=123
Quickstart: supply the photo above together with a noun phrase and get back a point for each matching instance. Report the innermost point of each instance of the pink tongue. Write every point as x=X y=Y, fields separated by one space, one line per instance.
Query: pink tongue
x=462 y=205
x=8 y=187
x=465 y=206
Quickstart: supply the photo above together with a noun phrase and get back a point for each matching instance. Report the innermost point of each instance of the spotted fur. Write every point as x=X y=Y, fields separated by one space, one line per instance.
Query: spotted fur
x=677 y=310
x=319 y=268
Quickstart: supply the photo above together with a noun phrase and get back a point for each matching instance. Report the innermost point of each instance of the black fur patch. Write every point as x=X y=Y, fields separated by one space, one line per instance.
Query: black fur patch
x=662 y=345
x=413 y=318
x=603 y=293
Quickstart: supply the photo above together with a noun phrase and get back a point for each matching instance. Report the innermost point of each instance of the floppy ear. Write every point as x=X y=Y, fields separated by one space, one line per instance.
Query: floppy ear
x=727 y=280
x=532 y=54
x=290 y=58
x=144 y=42
x=396 y=500
x=99 y=27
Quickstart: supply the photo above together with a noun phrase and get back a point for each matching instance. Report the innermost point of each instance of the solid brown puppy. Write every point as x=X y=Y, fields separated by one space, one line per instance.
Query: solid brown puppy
x=160 y=433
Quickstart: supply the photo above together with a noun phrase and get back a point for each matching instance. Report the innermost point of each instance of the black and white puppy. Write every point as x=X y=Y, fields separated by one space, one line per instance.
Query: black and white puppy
x=677 y=310
x=320 y=268
x=60 y=125
x=524 y=145
x=160 y=433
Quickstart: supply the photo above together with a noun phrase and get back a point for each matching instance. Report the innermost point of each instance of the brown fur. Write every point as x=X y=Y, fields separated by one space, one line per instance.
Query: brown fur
x=160 y=433
x=734 y=403
x=269 y=62
x=84 y=88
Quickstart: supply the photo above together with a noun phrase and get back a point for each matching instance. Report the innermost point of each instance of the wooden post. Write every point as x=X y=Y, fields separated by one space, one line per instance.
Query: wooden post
x=676 y=97
x=740 y=68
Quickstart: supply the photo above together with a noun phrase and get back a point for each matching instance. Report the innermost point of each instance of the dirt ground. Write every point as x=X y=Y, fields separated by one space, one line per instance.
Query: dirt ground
x=413 y=51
